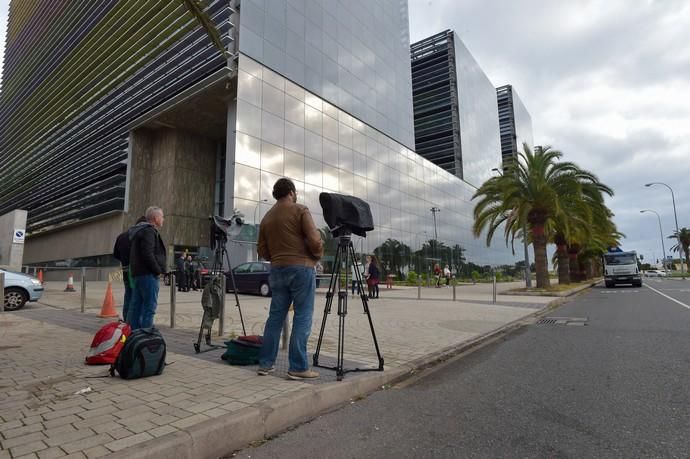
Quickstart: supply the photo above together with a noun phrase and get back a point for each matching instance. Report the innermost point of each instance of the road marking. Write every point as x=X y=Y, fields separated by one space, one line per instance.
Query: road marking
x=611 y=292
x=669 y=297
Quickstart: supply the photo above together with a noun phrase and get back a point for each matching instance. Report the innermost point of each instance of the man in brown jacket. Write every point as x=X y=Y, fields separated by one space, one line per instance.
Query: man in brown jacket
x=289 y=239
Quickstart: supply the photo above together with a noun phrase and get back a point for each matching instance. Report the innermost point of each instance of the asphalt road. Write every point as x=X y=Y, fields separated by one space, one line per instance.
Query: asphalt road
x=616 y=387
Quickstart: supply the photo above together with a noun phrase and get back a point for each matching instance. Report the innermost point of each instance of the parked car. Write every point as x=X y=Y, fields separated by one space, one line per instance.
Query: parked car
x=655 y=273
x=20 y=288
x=251 y=277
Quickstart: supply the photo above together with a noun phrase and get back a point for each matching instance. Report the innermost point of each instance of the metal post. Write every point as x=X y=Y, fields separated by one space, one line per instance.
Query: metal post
x=419 y=287
x=83 y=289
x=2 y=289
x=221 y=319
x=172 y=299
x=453 y=290
x=286 y=332
x=494 y=289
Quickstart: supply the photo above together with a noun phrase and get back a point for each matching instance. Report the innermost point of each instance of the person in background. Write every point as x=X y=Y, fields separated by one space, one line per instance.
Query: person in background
x=447 y=275
x=181 y=274
x=373 y=277
x=288 y=238
x=319 y=272
x=437 y=275
x=360 y=268
x=121 y=254
x=189 y=270
x=147 y=259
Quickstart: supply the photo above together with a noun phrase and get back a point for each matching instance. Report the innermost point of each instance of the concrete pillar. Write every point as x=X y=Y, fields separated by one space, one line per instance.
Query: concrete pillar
x=12 y=235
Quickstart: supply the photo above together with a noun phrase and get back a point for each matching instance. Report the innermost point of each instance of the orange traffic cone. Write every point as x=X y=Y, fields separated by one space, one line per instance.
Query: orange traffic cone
x=108 y=309
x=40 y=275
x=70 y=284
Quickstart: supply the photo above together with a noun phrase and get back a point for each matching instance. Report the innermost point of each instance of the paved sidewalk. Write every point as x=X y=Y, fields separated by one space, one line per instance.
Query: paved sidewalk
x=201 y=406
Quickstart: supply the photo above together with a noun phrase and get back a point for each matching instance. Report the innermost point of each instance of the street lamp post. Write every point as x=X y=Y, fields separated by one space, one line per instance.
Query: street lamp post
x=675 y=215
x=528 y=277
x=661 y=233
x=433 y=211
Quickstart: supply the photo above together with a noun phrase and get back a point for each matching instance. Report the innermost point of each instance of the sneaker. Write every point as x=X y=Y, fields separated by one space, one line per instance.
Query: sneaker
x=265 y=371
x=299 y=375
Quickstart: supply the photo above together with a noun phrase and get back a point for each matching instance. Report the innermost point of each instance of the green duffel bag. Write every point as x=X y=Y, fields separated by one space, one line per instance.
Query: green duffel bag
x=243 y=351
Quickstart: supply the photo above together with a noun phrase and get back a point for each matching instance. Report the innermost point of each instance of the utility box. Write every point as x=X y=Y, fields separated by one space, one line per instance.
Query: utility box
x=12 y=236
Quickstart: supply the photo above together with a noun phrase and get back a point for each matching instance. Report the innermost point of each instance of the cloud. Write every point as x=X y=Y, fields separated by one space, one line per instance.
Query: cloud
x=605 y=81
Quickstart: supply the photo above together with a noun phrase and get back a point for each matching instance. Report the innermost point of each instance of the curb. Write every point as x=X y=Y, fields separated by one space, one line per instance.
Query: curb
x=220 y=436
x=564 y=293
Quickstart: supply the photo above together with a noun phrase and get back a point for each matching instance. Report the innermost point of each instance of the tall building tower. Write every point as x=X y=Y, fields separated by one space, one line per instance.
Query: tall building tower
x=456 y=125
x=515 y=122
x=109 y=107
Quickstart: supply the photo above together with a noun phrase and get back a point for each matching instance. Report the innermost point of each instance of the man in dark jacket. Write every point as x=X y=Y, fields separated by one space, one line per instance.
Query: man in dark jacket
x=181 y=275
x=121 y=254
x=146 y=262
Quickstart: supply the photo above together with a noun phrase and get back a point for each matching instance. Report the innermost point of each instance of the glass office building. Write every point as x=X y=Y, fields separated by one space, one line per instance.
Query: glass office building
x=515 y=122
x=316 y=91
x=456 y=123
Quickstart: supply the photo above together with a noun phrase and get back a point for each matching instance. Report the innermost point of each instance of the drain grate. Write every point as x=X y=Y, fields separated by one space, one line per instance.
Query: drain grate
x=576 y=321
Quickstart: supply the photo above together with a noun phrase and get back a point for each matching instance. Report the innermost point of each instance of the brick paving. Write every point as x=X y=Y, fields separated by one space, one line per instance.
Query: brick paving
x=42 y=350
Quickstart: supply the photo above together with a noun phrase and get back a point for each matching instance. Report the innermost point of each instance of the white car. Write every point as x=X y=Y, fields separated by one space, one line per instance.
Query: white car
x=20 y=288
x=655 y=273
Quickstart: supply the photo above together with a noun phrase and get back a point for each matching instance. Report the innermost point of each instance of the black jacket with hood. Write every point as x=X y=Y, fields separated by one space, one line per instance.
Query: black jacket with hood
x=147 y=253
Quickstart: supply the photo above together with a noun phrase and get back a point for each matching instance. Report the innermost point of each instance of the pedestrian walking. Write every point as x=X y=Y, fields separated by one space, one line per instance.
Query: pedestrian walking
x=447 y=275
x=147 y=259
x=437 y=275
x=357 y=267
x=121 y=254
x=288 y=238
x=189 y=272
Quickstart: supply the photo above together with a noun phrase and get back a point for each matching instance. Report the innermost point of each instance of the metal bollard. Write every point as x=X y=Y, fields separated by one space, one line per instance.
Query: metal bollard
x=2 y=289
x=172 y=299
x=494 y=287
x=419 y=288
x=83 y=289
x=453 y=291
x=221 y=319
x=286 y=333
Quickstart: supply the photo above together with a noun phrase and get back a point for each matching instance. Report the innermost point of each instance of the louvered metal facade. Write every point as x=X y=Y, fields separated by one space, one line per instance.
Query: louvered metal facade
x=435 y=101
x=514 y=121
x=77 y=73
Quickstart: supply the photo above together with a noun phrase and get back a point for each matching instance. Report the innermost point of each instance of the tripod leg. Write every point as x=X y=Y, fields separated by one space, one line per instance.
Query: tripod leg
x=334 y=281
x=234 y=289
x=342 y=312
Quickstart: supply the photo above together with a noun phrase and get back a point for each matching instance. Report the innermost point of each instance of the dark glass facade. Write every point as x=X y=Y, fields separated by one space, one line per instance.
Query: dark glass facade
x=515 y=123
x=456 y=124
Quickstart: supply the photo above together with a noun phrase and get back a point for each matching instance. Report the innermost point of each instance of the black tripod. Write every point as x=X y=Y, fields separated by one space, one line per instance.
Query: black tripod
x=220 y=254
x=346 y=253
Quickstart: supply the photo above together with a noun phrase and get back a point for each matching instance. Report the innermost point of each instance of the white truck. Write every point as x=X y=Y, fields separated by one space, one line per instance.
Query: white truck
x=621 y=268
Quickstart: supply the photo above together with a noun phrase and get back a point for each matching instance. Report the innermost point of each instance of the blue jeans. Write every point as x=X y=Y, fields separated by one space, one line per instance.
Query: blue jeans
x=289 y=284
x=144 y=301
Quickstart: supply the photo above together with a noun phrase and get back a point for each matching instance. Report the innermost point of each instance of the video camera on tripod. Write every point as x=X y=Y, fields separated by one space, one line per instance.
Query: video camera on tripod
x=222 y=227
x=213 y=296
x=345 y=215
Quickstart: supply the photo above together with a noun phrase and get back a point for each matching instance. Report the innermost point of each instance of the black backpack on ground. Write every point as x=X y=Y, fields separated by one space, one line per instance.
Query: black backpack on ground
x=142 y=355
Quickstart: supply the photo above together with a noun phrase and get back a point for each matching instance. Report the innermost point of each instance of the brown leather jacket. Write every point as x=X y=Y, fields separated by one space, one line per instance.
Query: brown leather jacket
x=288 y=236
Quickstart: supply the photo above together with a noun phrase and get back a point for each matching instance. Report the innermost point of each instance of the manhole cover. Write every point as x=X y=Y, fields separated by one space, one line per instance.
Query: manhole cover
x=577 y=321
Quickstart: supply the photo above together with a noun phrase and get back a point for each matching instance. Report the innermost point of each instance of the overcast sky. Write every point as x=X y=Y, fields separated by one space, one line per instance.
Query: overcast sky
x=606 y=81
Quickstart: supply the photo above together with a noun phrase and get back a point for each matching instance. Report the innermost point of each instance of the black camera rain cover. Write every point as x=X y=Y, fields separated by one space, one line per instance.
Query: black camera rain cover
x=347 y=212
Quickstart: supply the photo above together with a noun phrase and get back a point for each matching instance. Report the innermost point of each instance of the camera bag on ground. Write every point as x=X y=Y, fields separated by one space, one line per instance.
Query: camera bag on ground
x=243 y=350
x=108 y=343
x=143 y=355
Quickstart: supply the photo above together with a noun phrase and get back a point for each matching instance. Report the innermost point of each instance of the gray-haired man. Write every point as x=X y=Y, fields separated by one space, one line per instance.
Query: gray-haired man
x=146 y=262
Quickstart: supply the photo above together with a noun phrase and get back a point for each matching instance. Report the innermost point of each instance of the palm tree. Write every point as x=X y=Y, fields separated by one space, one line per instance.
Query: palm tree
x=533 y=190
x=394 y=255
x=196 y=9
x=682 y=237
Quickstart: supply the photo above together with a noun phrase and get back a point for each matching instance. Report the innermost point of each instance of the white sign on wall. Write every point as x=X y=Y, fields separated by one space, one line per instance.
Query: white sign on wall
x=18 y=236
